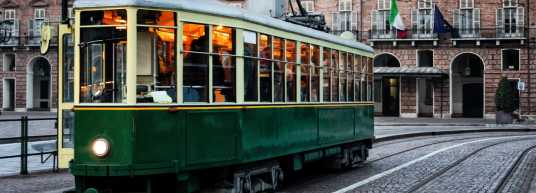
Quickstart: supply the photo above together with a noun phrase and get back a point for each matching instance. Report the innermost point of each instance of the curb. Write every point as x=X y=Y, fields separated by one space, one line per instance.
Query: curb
x=434 y=133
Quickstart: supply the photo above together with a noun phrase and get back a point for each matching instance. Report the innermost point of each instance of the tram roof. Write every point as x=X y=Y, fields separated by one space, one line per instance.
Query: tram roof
x=218 y=8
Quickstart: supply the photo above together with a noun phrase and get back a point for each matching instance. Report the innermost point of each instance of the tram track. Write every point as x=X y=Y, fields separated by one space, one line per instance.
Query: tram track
x=508 y=178
x=429 y=179
x=328 y=176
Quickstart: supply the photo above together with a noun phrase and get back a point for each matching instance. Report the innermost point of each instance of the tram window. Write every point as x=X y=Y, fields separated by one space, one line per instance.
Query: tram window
x=250 y=66
x=342 y=76
x=335 y=76
x=315 y=76
x=279 y=73
x=305 y=79
x=156 y=67
x=223 y=64
x=156 y=18
x=350 y=76
x=68 y=68
x=67 y=126
x=106 y=17
x=357 y=77
x=265 y=50
x=327 y=74
x=196 y=57
x=364 y=79
x=290 y=53
x=370 y=80
x=103 y=65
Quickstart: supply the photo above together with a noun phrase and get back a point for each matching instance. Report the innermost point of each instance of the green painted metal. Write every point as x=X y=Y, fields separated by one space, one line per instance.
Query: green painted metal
x=145 y=142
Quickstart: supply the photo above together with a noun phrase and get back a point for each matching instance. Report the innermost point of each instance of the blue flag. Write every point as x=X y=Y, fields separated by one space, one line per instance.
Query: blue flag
x=440 y=25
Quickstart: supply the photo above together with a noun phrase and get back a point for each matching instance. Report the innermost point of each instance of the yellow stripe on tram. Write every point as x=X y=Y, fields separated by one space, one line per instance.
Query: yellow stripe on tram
x=212 y=107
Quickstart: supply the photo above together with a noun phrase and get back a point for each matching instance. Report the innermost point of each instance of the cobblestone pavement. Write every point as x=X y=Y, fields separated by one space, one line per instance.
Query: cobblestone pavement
x=463 y=165
x=34 y=183
x=463 y=162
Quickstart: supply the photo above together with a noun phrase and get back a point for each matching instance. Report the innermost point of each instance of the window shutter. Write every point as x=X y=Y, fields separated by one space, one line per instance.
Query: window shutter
x=520 y=20
x=414 y=20
x=15 y=32
x=500 y=21
x=373 y=22
x=456 y=19
x=31 y=28
x=354 y=21
x=476 y=21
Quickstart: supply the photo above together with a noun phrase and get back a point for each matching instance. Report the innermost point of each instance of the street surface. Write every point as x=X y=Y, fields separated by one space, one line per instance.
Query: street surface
x=497 y=162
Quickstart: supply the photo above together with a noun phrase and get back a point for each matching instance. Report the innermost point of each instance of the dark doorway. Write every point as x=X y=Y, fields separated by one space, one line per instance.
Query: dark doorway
x=473 y=96
x=9 y=89
x=467 y=86
x=391 y=97
x=40 y=90
x=387 y=88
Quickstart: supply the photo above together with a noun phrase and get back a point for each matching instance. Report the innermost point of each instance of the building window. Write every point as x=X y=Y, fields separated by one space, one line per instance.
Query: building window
x=510 y=19
x=467 y=19
x=345 y=5
x=35 y=25
x=510 y=59
x=9 y=62
x=381 y=28
x=425 y=58
x=309 y=6
x=422 y=19
x=10 y=15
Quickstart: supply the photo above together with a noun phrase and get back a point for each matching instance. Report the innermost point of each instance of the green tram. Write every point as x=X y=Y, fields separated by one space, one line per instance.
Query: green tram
x=176 y=96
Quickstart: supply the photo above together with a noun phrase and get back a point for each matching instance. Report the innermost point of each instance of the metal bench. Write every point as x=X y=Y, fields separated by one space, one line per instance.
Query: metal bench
x=50 y=149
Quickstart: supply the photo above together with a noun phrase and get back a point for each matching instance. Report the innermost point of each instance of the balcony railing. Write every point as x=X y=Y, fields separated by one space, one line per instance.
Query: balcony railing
x=419 y=34
x=32 y=41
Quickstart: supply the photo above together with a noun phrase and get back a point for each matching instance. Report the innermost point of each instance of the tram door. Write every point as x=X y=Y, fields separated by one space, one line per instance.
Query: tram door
x=65 y=95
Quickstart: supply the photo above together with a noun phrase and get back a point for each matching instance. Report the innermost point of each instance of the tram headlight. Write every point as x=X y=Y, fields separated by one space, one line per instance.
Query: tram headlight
x=100 y=147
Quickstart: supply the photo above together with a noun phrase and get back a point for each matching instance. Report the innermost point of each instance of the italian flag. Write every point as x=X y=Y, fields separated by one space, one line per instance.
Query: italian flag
x=395 y=19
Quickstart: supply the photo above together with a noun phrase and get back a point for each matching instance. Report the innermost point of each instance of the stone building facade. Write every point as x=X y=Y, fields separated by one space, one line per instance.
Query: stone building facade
x=28 y=79
x=422 y=73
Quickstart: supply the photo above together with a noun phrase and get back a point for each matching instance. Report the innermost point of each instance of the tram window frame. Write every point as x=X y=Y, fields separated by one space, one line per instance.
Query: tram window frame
x=327 y=82
x=224 y=90
x=156 y=72
x=357 y=77
x=305 y=72
x=364 y=61
x=349 y=76
x=196 y=91
x=68 y=68
x=291 y=70
x=342 y=77
x=278 y=55
x=266 y=65
x=102 y=84
x=370 y=82
x=251 y=66
x=335 y=75
x=315 y=74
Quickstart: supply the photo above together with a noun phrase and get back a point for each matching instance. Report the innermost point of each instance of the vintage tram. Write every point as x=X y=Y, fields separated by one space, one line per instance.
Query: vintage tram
x=178 y=96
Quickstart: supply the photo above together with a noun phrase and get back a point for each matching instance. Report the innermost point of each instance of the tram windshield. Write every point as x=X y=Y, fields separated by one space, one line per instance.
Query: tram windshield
x=103 y=57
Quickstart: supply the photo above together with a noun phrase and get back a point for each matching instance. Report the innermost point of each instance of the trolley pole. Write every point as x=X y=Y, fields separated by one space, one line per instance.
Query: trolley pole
x=24 y=145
